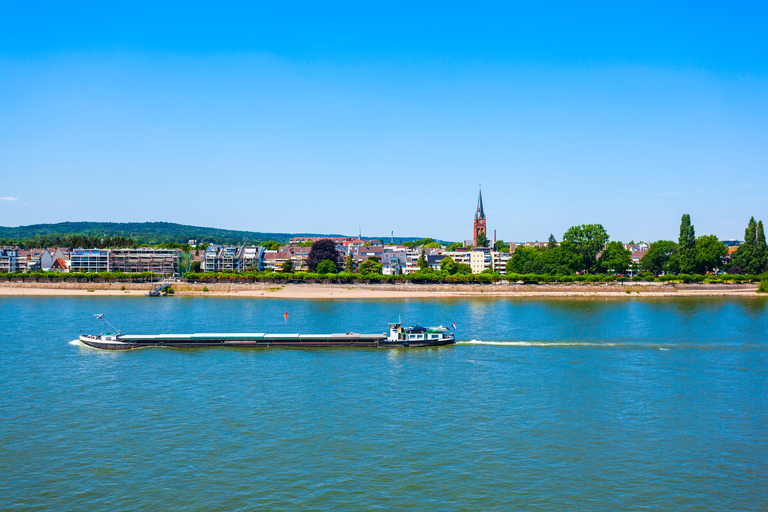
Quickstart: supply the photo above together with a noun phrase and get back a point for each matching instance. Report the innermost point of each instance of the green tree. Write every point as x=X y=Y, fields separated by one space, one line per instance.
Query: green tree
x=750 y=257
x=349 y=266
x=710 y=254
x=287 y=266
x=588 y=240
x=271 y=245
x=523 y=255
x=422 y=262
x=615 y=258
x=326 y=267
x=686 y=259
x=454 y=246
x=657 y=258
x=448 y=265
x=482 y=239
x=462 y=269
x=762 y=251
x=568 y=257
x=552 y=241
x=746 y=252
x=370 y=266
x=501 y=246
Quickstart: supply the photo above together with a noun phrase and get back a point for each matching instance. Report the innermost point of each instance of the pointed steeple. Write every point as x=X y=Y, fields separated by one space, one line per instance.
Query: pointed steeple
x=480 y=214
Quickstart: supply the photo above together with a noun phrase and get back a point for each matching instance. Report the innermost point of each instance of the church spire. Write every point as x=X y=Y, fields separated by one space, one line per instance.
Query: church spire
x=480 y=214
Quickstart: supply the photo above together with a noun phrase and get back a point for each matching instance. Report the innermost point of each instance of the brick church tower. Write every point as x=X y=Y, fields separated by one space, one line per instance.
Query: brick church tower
x=479 y=217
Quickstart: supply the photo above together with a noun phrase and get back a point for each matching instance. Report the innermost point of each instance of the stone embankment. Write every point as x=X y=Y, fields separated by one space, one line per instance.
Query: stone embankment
x=378 y=291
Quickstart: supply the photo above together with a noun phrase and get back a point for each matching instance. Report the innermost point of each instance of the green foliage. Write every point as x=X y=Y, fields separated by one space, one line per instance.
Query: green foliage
x=501 y=246
x=370 y=266
x=422 y=262
x=615 y=258
x=763 y=287
x=561 y=260
x=658 y=258
x=522 y=256
x=463 y=269
x=272 y=245
x=326 y=266
x=454 y=246
x=287 y=266
x=419 y=243
x=447 y=265
x=482 y=239
x=349 y=265
x=552 y=243
x=205 y=288
x=686 y=253
x=750 y=257
x=587 y=240
x=710 y=254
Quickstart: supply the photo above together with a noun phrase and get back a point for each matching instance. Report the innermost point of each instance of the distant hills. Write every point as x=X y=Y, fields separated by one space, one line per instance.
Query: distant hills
x=152 y=233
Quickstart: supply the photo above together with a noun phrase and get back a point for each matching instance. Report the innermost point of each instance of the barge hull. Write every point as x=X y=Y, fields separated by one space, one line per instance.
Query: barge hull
x=362 y=341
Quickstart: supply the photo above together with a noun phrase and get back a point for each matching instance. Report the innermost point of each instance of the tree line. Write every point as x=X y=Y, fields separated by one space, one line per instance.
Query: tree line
x=706 y=254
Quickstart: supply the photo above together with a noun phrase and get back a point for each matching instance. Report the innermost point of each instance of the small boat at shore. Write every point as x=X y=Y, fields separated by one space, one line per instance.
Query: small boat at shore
x=397 y=337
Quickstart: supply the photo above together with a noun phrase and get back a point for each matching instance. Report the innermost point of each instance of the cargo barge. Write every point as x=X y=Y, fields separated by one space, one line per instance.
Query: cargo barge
x=397 y=337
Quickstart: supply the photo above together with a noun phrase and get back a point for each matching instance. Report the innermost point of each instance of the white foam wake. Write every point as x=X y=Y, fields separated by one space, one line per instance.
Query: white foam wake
x=537 y=343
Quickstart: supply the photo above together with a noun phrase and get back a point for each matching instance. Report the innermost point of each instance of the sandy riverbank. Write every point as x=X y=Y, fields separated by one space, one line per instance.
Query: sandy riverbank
x=363 y=291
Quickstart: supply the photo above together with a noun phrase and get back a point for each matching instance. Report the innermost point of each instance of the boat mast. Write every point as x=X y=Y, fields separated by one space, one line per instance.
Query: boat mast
x=101 y=317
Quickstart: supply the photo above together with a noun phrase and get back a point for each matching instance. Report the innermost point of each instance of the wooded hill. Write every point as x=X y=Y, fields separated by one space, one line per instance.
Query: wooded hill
x=149 y=233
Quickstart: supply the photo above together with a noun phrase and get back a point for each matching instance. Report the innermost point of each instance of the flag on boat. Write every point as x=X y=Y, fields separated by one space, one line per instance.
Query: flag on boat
x=453 y=325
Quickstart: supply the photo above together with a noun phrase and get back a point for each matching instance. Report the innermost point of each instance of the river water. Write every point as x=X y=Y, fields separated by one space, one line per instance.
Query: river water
x=553 y=404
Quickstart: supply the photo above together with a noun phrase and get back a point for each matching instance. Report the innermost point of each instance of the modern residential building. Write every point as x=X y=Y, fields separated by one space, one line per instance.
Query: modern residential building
x=480 y=259
x=29 y=260
x=252 y=257
x=219 y=258
x=298 y=256
x=274 y=260
x=145 y=259
x=500 y=260
x=393 y=260
x=9 y=260
x=87 y=260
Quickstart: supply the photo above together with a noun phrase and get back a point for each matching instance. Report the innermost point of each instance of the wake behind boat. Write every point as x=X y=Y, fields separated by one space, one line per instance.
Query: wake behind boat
x=398 y=336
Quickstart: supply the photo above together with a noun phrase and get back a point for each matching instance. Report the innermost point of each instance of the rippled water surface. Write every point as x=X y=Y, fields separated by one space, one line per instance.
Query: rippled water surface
x=544 y=405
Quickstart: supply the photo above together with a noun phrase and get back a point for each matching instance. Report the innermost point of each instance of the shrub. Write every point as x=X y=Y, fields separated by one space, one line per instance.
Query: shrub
x=763 y=288
x=122 y=288
x=205 y=288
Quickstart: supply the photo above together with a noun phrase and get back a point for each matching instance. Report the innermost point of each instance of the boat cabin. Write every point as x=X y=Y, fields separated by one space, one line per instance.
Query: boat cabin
x=416 y=333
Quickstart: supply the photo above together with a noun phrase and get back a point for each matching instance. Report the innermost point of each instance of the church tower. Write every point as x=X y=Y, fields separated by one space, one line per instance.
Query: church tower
x=479 y=217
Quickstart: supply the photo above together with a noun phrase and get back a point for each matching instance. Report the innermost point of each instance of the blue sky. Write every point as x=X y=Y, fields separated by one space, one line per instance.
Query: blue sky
x=326 y=117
